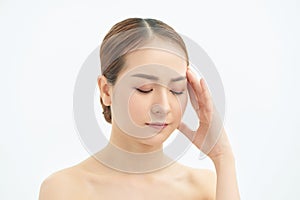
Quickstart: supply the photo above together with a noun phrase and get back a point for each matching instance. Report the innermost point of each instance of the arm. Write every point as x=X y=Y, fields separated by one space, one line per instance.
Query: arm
x=211 y=139
x=224 y=162
x=227 y=187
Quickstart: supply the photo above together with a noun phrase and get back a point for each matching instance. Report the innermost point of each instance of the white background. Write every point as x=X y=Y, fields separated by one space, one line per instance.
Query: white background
x=254 y=45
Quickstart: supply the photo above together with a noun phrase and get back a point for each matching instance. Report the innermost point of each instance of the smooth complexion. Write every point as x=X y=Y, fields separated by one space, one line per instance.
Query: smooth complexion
x=91 y=179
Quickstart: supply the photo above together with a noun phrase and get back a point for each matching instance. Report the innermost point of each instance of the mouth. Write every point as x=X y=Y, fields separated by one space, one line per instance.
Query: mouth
x=157 y=125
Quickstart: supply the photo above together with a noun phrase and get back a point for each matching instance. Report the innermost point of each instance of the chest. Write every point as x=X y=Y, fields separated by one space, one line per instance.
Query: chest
x=144 y=190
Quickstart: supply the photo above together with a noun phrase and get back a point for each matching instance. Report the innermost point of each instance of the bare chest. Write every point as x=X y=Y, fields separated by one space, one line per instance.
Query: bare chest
x=137 y=190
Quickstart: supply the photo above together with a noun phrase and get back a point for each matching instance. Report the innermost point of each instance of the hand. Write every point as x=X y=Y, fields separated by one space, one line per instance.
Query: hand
x=210 y=136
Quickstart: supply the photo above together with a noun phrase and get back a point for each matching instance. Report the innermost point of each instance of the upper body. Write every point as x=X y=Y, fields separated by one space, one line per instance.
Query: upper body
x=144 y=90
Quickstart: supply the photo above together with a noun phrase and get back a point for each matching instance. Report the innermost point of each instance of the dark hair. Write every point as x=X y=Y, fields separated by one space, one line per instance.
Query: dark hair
x=126 y=36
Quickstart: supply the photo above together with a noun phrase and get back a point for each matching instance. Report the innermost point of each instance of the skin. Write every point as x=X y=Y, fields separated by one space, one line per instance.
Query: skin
x=91 y=179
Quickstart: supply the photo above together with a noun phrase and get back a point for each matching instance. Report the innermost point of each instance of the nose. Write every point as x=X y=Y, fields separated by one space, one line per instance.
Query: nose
x=161 y=107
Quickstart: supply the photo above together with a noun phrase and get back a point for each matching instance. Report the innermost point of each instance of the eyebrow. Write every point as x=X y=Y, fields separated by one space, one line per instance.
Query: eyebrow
x=151 y=77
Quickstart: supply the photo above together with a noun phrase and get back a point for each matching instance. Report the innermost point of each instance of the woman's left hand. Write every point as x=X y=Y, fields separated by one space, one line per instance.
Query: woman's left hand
x=210 y=137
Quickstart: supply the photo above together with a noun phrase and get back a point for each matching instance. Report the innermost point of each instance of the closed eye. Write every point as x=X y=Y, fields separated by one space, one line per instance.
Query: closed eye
x=176 y=93
x=144 y=91
x=148 y=91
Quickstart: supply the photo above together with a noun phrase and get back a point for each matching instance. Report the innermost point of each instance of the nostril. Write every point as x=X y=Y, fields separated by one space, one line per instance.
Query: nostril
x=158 y=110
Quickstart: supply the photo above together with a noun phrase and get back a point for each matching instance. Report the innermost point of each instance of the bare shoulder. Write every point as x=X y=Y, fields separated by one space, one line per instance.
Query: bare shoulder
x=63 y=184
x=204 y=180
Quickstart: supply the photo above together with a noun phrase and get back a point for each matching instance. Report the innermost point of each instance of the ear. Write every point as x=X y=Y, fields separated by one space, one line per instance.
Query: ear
x=105 y=90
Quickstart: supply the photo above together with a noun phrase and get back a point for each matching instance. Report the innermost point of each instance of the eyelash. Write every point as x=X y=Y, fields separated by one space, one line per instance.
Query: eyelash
x=147 y=91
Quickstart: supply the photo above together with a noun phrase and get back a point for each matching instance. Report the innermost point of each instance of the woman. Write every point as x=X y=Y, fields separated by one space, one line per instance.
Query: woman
x=144 y=86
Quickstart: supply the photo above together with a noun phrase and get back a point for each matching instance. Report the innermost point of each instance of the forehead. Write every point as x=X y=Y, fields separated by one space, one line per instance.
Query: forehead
x=150 y=56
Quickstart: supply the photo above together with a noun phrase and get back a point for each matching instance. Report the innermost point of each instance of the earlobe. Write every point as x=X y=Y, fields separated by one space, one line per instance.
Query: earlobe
x=105 y=92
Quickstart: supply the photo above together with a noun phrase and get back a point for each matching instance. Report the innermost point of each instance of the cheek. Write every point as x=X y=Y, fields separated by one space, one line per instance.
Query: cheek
x=137 y=109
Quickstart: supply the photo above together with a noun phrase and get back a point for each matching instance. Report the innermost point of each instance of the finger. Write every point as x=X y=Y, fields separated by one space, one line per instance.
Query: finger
x=205 y=99
x=195 y=91
x=193 y=97
x=194 y=83
x=200 y=92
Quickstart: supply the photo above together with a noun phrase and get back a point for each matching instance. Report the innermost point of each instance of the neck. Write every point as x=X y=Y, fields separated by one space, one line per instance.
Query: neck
x=126 y=154
x=118 y=159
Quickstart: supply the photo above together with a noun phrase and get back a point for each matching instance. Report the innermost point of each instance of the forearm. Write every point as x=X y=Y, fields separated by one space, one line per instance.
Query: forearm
x=227 y=187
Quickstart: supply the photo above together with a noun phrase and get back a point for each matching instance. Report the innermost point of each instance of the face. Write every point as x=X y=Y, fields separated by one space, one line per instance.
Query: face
x=150 y=95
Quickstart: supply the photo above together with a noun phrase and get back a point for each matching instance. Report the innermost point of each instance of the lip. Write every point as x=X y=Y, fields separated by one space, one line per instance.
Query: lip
x=157 y=125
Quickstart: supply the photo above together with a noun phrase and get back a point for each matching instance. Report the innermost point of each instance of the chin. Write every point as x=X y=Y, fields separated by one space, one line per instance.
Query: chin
x=158 y=139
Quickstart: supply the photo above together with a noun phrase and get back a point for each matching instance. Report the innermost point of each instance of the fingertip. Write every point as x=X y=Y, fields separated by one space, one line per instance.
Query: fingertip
x=201 y=80
x=188 y=73
x=203 y=83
